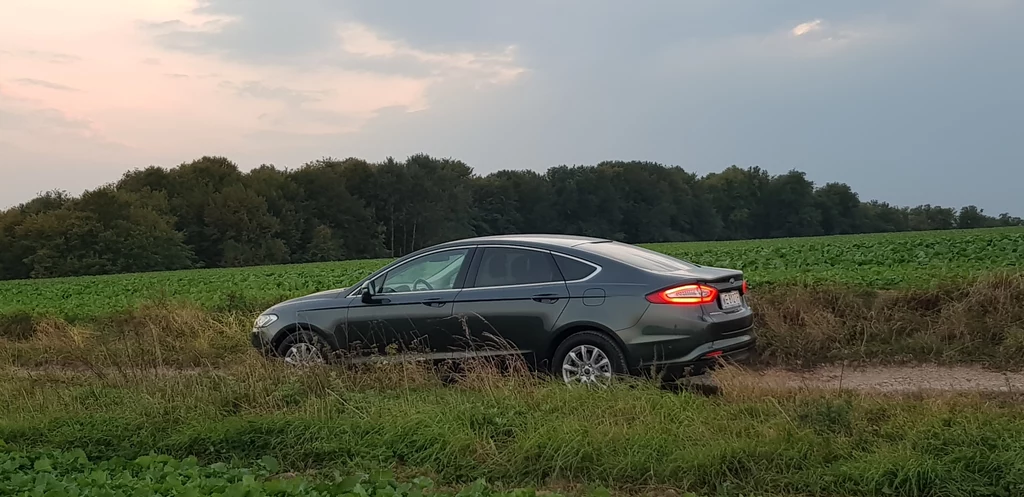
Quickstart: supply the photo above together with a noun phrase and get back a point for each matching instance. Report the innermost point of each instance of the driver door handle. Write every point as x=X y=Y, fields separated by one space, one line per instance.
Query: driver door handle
x=434 y=302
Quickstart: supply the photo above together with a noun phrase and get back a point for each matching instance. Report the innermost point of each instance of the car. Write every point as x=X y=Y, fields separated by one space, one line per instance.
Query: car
x=585 y=309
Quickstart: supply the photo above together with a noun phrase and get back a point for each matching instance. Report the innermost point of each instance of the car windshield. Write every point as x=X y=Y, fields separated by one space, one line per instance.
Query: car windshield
x=642 y=258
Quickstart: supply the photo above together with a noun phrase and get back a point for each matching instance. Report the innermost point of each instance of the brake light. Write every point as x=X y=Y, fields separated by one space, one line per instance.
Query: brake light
x=745 y=290
x=687 y=294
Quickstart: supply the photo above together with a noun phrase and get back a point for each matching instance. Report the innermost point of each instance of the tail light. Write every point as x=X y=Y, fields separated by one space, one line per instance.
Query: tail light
x=745 y=289
x=695 y=293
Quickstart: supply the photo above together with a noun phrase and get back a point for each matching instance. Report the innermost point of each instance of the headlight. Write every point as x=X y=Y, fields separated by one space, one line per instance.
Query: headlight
x=264 y=320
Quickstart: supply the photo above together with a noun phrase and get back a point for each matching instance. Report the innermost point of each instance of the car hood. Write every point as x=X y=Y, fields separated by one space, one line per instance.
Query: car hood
x=313 y=297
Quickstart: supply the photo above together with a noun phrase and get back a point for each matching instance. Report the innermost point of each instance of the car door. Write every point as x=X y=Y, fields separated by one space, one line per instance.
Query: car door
x=411 y=309
x=511 y=301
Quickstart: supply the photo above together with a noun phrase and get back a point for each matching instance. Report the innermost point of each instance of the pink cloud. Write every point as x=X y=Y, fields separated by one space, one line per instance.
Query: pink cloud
x=167 y=102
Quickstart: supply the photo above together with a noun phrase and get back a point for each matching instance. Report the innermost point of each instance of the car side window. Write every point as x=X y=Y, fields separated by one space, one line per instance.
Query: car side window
x=437 y=271
x=511 y=266
x=572 y=269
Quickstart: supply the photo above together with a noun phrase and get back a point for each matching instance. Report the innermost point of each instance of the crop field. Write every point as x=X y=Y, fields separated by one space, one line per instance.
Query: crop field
x=918 y=260
x=875 y=261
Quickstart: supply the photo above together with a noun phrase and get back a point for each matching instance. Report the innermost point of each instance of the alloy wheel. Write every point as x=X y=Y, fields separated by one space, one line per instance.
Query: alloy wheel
x=303 y=354
x=587 y=365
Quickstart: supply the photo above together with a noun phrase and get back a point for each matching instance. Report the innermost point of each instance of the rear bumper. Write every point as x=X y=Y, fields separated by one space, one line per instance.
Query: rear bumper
x=739 y=353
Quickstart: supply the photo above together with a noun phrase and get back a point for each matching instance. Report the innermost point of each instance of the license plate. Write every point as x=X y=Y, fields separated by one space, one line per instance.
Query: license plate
x=731 y=299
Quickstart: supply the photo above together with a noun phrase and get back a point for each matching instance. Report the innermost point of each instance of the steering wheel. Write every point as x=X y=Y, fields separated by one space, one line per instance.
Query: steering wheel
x=421 y=280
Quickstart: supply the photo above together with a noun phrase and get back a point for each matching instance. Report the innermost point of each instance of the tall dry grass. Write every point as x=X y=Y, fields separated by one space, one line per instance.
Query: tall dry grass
x=152 y=335
x=980 y=322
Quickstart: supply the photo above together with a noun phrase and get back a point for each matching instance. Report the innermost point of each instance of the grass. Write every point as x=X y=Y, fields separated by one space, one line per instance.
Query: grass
x=977 y=322
x=519 y=431
x=902 y=261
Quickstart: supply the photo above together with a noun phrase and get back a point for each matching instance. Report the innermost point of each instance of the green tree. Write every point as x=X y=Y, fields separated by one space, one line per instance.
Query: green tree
x=973 y=217
x=929 y=217
x=736 y=196
x=788 y=206
x=238 y=224
x=327 y=201
x=325 y=246
x=105 y=231
x=839 y=208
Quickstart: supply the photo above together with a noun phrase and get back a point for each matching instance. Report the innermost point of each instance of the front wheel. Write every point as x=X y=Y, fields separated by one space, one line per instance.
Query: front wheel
x=304 y=348
x=588 y=358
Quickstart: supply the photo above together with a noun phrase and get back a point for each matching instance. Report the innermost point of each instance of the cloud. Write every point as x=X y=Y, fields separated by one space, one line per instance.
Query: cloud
x=44 y=84
x=185 y=36
x=23 y=119
x=291 y=96
x=492 y=67
x=264 y=34
x=189 y=93
x=40 y=55
x=807 y=27
x=335 y=84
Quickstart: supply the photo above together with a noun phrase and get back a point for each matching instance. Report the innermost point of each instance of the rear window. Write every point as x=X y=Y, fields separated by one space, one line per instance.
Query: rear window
x=572 y=269
x=638 y=257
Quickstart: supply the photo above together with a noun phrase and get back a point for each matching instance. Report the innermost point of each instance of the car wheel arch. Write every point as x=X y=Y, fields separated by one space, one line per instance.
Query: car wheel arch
x=294 y=328
x=572 y=328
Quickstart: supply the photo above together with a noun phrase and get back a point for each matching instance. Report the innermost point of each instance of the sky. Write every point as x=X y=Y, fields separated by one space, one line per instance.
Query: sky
x=907 y=101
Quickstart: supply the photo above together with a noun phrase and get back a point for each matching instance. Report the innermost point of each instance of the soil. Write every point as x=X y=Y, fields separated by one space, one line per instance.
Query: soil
x=897 y=379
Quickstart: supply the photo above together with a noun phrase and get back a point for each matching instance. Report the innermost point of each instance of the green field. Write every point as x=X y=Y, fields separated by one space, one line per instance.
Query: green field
x=882 y=261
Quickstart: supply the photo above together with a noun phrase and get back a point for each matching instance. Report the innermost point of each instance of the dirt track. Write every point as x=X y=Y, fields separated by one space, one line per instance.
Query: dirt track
x=896 y=379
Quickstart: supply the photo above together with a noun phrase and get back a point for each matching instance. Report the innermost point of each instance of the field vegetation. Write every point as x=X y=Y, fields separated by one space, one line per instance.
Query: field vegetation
x=511 y=431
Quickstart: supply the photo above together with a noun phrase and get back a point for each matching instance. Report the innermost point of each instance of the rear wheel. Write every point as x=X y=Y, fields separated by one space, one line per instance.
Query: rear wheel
x=304 y=348
x=588 y=358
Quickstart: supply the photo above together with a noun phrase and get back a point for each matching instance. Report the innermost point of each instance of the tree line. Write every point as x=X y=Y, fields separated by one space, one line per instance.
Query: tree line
x=208 y=213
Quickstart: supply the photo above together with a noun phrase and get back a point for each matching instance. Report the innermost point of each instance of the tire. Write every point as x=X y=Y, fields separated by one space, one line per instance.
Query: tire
x=580 y=343
x=304 y=344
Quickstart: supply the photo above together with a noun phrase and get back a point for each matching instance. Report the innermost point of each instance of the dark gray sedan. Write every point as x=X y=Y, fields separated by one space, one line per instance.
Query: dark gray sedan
x=583 y=308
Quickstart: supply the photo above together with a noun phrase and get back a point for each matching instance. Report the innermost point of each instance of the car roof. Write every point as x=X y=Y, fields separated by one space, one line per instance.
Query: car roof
x=535 y=240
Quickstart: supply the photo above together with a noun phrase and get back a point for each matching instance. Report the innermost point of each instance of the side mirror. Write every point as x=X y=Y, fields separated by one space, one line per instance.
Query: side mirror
x=367 y=295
